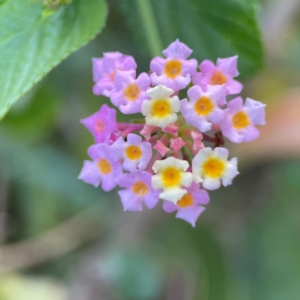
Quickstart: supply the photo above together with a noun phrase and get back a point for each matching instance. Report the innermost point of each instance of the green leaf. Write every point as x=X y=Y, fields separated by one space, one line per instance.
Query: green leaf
x=213 y=29
x=32 y=44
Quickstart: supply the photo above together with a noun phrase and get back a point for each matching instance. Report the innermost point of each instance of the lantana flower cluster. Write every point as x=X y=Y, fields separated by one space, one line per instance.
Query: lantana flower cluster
x=175 y=152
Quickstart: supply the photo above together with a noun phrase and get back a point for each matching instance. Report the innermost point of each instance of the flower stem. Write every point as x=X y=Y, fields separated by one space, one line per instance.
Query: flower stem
x=151 y=30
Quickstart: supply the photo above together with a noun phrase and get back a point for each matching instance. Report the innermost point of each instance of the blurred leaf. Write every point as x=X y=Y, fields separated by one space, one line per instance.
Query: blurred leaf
x=49 y=169
x=19 y=287
x=131 y=273
x=213 y=29
x=33 y=44
x=274 y=239
x=36 y=119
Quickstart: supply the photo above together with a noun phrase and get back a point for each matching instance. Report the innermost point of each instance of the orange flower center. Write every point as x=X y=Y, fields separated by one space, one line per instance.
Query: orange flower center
x=132 y=92
x=161 y=108
x=173 y=68
x=104 y=166
x=186 y=200
x=214 y=167
x=240 y=120
x=204 y=106
x=140 y=188
x=218 y=78
x=133 y=152
x=171 y=177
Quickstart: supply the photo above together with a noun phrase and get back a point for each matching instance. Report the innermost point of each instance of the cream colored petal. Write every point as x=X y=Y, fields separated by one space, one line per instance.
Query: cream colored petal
x=187 y=179
x=159 y=92
x=173 y=195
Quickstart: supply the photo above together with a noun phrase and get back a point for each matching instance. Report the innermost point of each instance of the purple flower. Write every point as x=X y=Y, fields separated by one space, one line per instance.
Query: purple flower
x=175 y=71
x=102 y=124
x=238 y=125
x=104 y=70
x=222 y=73
x=203 y=108
x=129 y=92
x=134 y=152
x=189 y=207
x=138 y=190
x=103 y=167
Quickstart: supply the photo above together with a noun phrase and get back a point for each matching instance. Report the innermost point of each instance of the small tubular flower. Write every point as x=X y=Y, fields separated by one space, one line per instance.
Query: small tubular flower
x=161 y=110
x=103 y=168
x=134 y=152
x=211 y=166
x=104 y=70
x=222 y=73
x=175 y=71
x=129 y=93
x=101 y=124
x=190 y=206
x=203 y=108
x=138 y=191
x=238 y=125
x=171 y=176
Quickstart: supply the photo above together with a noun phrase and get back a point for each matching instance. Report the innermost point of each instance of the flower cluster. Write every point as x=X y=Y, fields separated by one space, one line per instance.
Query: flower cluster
x=163 y=156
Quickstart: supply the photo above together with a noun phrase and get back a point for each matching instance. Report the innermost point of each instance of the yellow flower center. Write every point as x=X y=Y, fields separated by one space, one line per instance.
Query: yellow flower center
x=161 y=108
x=186 y=200
x=214 y=167
x=133 y=152
x=240 y=120
x=104 y=166
x=204 y=106
x=173 y=68
x=140 y=188
x=99 y=126
x=171 y=177
x=132 y=92
x=218 y=78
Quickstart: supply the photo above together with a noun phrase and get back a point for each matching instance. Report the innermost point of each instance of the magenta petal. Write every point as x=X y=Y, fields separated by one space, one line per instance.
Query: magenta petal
x=256 y=111
x=190 y=214
x=233 y=87
x=177 y=50
x=235 y=105
x=152 y=199
x=250 y=133
x=207 y=66
x=90 y=173
x=228 y=65
x=189 y=67
x=130 y=201
x=157 y=65
x=169 y=207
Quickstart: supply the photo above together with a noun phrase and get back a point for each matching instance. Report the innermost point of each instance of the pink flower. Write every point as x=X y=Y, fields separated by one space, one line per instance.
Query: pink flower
x=203 y=108
x=103 y=167
x=138 y=191
x=176 y=144
x=104 y=70
x=222 y=73
x=189 y=207
x=102 y=124
x=175 y=71
x=129 y=93
x=134 y=152
x=238 y=125
x=161 y=148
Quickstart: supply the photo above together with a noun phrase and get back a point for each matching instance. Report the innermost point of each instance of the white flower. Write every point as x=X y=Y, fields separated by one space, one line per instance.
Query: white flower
x=170 y=177
x=211 y=166
x=161 y=110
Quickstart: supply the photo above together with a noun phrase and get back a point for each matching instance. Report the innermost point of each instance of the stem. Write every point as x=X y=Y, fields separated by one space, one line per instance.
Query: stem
x=151 y=30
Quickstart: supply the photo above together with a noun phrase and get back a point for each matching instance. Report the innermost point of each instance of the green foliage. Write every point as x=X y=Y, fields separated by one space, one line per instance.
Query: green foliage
x=32 y=44
x=212 y=29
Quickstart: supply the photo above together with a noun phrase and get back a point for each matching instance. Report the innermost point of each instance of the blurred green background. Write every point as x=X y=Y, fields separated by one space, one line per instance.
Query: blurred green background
x=63 y=239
